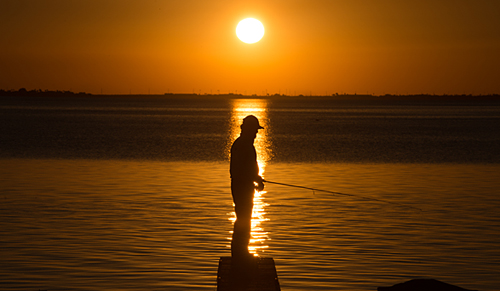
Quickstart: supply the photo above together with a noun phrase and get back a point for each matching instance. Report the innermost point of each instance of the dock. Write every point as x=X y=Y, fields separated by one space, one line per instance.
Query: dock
x=258 y=275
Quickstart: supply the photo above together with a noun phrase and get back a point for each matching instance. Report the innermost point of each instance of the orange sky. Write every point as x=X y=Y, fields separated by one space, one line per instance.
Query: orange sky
x=310 y=46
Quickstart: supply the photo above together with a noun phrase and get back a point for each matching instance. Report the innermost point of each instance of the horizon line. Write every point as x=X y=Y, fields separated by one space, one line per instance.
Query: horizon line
x=25 y=92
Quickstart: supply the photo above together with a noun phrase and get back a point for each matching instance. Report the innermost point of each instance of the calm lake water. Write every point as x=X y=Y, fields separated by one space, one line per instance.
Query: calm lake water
x=133 y=193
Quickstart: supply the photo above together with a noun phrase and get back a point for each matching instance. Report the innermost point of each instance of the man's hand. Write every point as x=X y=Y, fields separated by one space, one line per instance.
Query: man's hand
x=260 y=184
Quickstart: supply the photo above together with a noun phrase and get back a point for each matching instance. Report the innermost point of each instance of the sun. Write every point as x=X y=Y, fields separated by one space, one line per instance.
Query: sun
x=250 y=30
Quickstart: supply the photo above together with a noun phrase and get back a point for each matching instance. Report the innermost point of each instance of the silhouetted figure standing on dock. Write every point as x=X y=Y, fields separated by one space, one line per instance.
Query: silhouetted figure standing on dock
x=244 y=177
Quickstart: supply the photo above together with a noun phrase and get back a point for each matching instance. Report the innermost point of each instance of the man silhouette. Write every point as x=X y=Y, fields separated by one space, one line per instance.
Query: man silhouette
x=244 y=172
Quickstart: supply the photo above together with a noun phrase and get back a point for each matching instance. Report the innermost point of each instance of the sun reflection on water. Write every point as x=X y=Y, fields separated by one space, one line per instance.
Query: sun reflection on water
x=240 y=109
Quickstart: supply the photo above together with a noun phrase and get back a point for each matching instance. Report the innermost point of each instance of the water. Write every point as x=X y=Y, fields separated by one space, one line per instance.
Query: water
x=133 y=194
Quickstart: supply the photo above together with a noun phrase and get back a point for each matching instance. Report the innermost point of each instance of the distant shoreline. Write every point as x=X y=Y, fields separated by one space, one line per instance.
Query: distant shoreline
x=357 y=97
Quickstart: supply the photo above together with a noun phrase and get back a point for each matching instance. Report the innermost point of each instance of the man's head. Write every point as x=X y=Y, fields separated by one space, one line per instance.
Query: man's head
x=250 y=125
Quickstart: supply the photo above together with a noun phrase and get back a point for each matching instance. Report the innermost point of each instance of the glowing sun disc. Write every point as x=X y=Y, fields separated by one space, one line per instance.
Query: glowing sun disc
x=250 y=30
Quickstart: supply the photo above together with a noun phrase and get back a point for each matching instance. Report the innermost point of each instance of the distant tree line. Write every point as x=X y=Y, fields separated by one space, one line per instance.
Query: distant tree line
x=24 y=92
x=494 y=97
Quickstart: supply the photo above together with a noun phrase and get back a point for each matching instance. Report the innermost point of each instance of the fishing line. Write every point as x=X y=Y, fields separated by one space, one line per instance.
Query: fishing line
x=344 y=194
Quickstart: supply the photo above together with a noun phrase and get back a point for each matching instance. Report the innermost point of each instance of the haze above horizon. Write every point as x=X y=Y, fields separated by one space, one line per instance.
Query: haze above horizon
x=317 y=47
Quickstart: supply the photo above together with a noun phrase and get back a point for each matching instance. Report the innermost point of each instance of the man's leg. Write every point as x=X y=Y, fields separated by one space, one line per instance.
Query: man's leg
x=243 y=200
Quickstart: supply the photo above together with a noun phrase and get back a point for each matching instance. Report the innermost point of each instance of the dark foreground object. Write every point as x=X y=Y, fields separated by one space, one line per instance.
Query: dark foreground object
x=422 y=285
x=255 y=274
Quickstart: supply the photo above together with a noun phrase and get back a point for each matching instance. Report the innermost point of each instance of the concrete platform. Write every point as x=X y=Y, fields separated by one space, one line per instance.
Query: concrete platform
x=257 y=274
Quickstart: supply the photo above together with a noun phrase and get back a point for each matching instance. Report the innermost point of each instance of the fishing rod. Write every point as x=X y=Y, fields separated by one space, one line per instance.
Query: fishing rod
x=344 y=194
